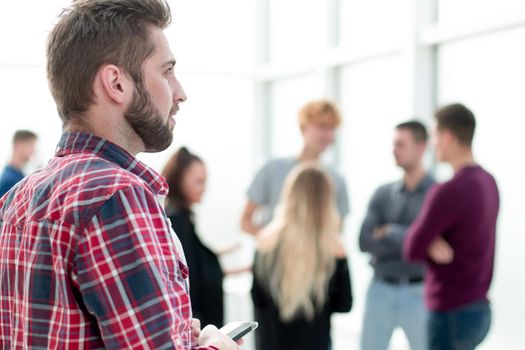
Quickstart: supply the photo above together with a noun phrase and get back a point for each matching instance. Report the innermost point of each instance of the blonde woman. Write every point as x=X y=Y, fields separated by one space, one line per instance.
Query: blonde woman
x=301 y=272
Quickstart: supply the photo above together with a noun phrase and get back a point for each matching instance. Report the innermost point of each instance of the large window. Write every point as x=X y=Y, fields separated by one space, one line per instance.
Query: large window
x=385 y=62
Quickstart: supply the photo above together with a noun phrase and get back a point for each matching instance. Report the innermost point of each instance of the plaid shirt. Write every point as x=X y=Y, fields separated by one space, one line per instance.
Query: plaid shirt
x=87 y=256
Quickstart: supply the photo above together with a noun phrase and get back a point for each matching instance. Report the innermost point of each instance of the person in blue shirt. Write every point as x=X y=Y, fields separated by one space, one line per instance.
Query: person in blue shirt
x=24 y=143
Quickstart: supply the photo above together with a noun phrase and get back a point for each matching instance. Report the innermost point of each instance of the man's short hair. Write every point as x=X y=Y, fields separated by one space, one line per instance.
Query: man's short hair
x=91 y=33
x=23 y=135
x=416 y=128
x=459 y=120
x=319 y=111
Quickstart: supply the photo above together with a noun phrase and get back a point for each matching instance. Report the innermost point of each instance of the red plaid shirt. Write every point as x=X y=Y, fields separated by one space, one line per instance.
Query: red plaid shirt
x=87 y=257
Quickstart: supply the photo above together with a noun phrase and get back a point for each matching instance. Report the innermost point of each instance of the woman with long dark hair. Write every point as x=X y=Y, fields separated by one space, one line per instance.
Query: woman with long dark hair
x=185 y=174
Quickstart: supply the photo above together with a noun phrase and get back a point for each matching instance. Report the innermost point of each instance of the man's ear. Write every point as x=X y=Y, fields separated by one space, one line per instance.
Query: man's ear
x=116 y=85
x=301 y=128
x=422 y=146
x=448 y=137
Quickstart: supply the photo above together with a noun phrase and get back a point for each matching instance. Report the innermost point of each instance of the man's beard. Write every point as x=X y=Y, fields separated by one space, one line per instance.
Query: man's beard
x=147 y=121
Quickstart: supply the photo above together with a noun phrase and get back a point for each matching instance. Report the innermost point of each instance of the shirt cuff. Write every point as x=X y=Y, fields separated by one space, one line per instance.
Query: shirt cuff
x=396 y=233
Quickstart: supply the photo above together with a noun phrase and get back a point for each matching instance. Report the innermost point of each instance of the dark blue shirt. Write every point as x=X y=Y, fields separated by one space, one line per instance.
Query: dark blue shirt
x=10 y=176
x=398 y=207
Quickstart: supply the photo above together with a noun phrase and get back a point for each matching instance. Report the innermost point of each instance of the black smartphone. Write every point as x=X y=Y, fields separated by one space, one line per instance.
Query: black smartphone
x=237 y=330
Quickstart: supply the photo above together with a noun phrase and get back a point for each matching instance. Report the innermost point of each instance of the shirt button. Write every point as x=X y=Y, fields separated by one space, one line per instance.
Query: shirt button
x=178 y=342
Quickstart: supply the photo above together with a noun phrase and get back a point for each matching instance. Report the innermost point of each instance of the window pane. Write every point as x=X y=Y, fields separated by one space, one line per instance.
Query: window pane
x=209 y=35
x=287 y=97
x=457 y=12
x=374 y=24
x=297 y=29
x=374 y=99
x=488 y=75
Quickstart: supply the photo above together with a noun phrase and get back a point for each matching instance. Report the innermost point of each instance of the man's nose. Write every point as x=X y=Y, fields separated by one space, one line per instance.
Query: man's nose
x=179 y=95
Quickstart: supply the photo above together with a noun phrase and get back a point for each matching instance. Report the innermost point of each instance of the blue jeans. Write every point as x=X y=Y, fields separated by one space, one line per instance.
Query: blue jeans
x=389 y=306
x=460 y=329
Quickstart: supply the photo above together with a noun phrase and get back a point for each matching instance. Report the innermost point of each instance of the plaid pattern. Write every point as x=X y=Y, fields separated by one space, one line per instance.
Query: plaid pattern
x=87 y=257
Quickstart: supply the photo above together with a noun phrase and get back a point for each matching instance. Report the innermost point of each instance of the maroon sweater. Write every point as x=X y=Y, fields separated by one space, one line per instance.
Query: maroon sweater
x=464 y=212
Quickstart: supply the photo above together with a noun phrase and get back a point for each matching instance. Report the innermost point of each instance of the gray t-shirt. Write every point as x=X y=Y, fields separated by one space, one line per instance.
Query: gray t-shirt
x=267 y=186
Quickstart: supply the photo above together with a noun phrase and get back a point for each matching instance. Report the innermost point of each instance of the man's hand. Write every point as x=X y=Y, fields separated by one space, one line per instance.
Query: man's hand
x=380 y=232
x=238 y=270
x=229 y=249
x=195 y=330
x=247 y=224
x=440 y=251
x=210 y=335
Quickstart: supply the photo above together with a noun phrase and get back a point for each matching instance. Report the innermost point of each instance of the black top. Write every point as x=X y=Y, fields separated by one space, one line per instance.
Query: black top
x=300 y=333
x=205 y=271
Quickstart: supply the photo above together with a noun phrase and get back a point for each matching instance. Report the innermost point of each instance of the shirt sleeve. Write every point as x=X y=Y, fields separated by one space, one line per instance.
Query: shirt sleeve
x=373 y=220
x=395 y=235
x=341 y=197
x=259 y=189
x=438 y=214
x=130 y=276
x=6 y=184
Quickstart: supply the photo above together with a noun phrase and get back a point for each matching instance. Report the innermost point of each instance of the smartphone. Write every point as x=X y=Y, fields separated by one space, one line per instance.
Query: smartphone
x=237 y=330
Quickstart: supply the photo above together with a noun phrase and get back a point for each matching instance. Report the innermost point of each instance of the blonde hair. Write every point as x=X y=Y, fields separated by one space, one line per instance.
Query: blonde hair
x=296 y=251
x=319 y=111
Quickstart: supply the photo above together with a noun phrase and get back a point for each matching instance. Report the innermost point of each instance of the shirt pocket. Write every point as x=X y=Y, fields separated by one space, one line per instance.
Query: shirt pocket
x=175 y=274
x=174 y=264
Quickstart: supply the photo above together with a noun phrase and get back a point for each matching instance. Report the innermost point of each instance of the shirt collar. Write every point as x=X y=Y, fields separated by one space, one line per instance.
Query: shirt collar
x=425 y=183
x=78 y=142
x=14 y=170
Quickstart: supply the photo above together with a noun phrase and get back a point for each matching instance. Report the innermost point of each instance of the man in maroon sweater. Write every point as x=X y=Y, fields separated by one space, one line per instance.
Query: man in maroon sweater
x=455 y=235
